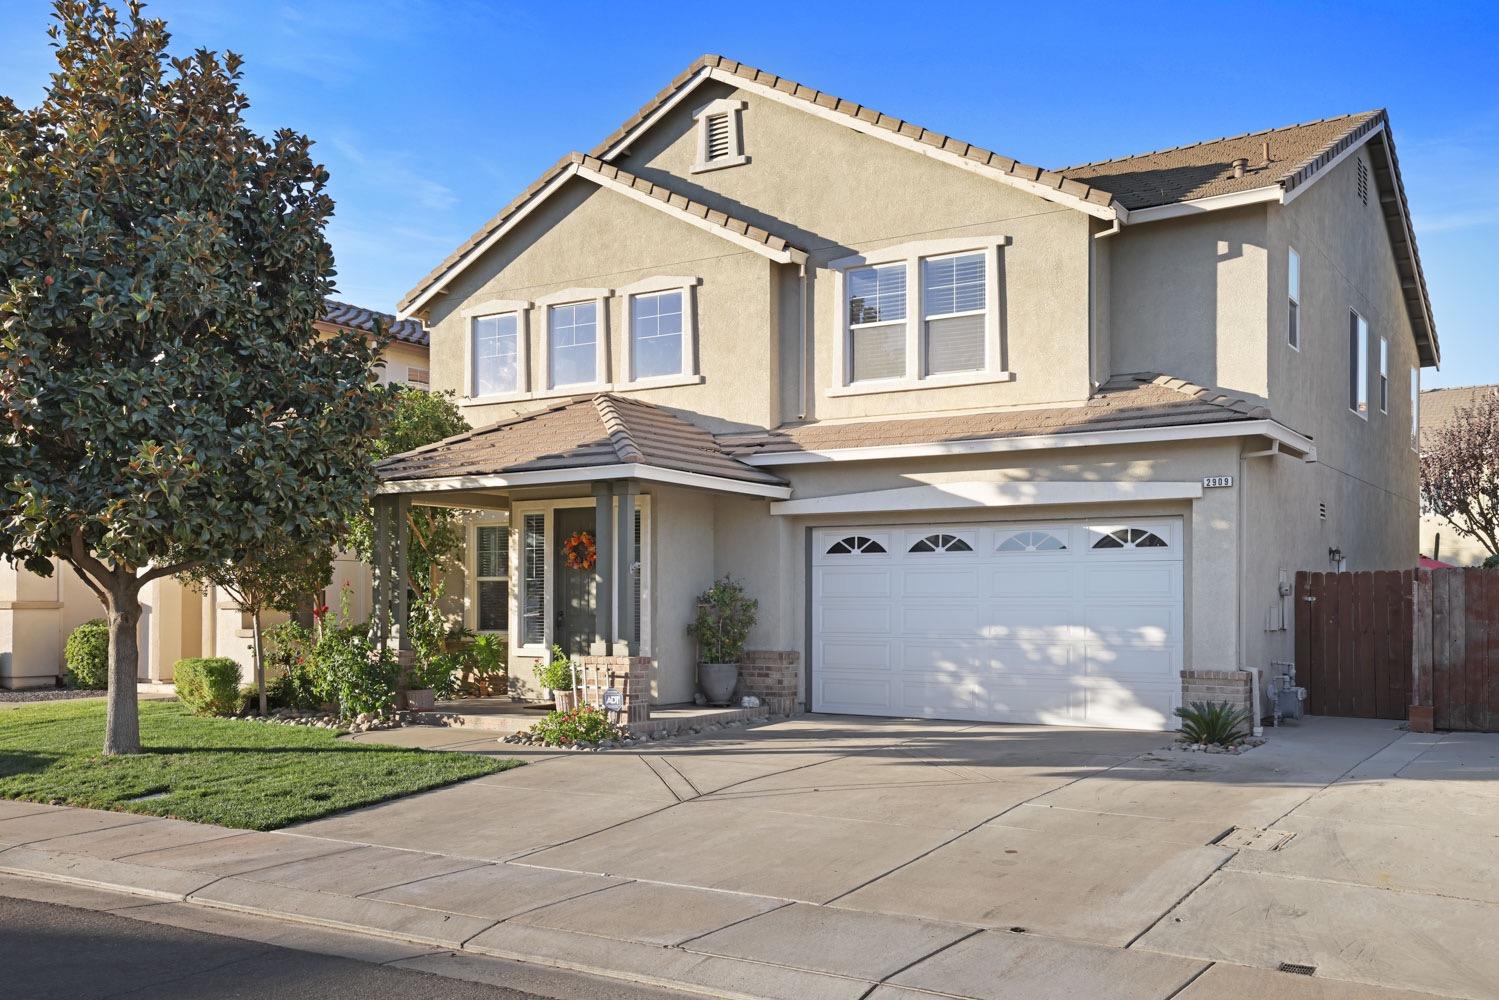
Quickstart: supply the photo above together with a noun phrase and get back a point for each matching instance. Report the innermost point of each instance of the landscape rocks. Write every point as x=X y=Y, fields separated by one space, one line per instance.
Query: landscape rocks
x=634 y=740
x=1245 y=747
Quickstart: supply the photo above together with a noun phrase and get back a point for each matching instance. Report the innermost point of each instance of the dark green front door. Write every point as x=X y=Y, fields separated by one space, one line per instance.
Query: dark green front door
x=573 y=596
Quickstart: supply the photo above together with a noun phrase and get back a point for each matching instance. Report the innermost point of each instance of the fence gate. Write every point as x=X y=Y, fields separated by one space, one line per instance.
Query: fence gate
x=1457 y=647
x=1354 y=644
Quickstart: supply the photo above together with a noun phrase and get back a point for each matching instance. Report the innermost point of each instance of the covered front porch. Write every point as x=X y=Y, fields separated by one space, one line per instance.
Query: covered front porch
x=572 y=517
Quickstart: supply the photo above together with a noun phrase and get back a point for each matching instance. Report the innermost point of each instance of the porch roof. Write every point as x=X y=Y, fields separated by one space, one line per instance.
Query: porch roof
x=604 y=436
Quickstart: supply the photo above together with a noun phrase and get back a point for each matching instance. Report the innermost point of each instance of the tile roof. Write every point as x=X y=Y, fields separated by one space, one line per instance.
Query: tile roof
x=1438 y=406
x=577 y=433
x=408 y=331
x=592 y=166
x=1125 y=402
x=1205 y=169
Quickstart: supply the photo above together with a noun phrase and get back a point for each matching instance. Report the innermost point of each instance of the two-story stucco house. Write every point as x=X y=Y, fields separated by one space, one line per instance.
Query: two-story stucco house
x=986 y=441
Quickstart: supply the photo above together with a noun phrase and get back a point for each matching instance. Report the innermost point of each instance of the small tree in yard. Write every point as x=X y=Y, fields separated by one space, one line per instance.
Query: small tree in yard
x=1460 y=471
x=280 y=576
x=415 y=418
x=165 y=400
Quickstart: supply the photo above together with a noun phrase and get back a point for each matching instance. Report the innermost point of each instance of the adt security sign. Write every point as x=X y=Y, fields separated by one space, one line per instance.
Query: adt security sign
x=613 y=700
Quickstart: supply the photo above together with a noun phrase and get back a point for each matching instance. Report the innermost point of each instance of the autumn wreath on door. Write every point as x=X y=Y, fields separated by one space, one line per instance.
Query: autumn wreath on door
x=580 y=550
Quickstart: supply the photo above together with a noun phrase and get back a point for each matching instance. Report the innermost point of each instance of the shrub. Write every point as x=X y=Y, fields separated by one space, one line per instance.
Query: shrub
x=722 y=622
x=1214 y=723
x=1491 y=562
x=584 y=724
x=87 y=655
x=354 y=672
x=557 y=673
x=292 y=682
x=208 y=685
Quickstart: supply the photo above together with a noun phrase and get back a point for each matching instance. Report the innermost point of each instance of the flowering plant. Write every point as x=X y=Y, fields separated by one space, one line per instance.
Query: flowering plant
x=580 y=550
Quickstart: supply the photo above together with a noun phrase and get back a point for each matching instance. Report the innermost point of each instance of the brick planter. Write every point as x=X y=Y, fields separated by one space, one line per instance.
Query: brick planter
x=772 y=676
x=630 y=674
x=1233 y=686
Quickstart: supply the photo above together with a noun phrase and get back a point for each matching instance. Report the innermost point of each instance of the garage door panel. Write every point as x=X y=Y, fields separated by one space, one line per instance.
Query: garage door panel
x=938 y=657
x=844 y=654
x=1031 y=621
x=855 y=695
x=1016 y=580
x=940 y=581
x=844 y=618
x=936 y=697
x=1134 y=664
x=1111 y=623
x=855 y=581
x=1045 y=703
x=1142 y=581
x=1017 y=659
x=939 y=619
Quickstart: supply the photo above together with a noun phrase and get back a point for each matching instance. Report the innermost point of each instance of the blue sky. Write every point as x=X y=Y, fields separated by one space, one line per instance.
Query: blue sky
x=431 y=115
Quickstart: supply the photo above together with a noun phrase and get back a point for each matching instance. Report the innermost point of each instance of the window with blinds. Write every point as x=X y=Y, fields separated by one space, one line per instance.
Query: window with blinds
x=491 y=579
x=952 y=298
x=533 y=558
x=877 y=322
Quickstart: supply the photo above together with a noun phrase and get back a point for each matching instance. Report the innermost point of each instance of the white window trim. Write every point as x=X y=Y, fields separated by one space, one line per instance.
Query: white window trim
x=575 y=296
x=471 y=569
x=1358 y=357
x=1384 y=375
x=912 y=254
x=548 y=509
x=497 y=307
x=735 y=110
x=1293 y=295
x=688 y=375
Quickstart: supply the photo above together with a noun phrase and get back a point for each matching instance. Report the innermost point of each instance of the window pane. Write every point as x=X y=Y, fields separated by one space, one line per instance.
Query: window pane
x=1293 y=276
x=572 y=333
x=533 y=580
x=953 y=284
x=496 y=341
x=490 y=560
x=1358 y=363
x=955 y=344
x=656 y=335
x=1415 y=407
x=877 y=294
x=878 y=352
x=494 y=606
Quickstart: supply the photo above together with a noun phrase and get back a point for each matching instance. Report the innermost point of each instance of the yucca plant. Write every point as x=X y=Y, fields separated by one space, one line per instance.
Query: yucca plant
x=1214 y=723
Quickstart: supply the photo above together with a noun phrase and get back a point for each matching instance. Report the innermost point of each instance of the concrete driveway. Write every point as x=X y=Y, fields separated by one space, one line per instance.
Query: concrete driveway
x=842 y=857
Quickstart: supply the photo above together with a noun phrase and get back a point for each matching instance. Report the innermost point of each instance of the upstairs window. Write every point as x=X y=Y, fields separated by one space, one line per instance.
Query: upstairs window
x=1293 y=293
x=877 y=322
x=1358 y=364
x=1384 y=375
x=952 y=299
x=720 y=136
x=656 y=334
x=496 y=353
x=572 y=343
x=1416 y=408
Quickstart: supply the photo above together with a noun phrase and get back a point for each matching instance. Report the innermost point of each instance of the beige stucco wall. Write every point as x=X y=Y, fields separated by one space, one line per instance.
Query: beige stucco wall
x=1454 y=548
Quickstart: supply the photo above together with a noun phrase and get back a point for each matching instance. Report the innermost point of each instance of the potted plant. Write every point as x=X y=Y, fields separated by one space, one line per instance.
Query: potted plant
x=721 y=624
x=557 y=675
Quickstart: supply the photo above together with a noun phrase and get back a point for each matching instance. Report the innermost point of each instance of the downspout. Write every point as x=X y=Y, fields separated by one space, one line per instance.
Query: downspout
x=1256 y=728
x=1093 y=373
x=801 y=333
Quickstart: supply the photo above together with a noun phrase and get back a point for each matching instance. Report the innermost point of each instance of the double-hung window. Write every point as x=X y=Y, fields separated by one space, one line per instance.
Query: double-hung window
x=877 y=323
x=491 y=578
x=661 y=331
x=572 y=347
x=952 y=306
x=533 y=572
x=1358 y=364
x=920 y=315
x=1293 y=293
x=496 y=354
x=1384 y=375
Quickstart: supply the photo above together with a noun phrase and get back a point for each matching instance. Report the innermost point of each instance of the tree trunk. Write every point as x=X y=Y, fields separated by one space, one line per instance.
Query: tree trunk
x=122 y=727
x=256 y=656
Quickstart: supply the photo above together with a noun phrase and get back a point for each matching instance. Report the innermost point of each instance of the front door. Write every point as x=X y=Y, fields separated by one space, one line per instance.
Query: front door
x=573 y=597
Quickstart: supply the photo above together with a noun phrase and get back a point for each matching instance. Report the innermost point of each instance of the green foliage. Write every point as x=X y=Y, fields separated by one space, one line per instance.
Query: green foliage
x=208 y=685
x=354 y=672
x=488 y=656
x=293 y=683
x=722 y=621
x=432 y=665
x=1214 y=723
x=1491 y=562
x=166 y=400
x=249 y=775
x=87 y=655
x=557 y=673
x=413 y=418
x=584 y=724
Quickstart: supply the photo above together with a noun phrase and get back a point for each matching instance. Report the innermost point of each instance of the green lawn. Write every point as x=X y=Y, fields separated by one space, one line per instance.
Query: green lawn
x=241 y=774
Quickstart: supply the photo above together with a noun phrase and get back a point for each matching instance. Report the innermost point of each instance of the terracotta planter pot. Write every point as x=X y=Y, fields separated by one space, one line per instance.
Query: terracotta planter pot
x=717 y=681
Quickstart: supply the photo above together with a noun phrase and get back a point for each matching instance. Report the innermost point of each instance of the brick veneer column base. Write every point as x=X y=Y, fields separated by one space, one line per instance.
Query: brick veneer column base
x=773 y=676
x=630 y=674
x=1233 y=686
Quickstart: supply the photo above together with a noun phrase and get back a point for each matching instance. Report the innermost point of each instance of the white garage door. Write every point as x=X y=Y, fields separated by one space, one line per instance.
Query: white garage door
x=1061 y=623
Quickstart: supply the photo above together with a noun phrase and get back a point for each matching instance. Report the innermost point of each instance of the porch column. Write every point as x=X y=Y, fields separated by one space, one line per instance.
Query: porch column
x=603 y=570
x=400 y=573
x=382 y=507
x=628 y=571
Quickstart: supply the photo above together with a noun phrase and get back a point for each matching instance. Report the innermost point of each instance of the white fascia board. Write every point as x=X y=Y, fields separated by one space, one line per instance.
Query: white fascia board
x=1197 y=206
x=1327 y=167
x=1042 y=442
x=554 y=477
x=1106 y=212
x=968 y=495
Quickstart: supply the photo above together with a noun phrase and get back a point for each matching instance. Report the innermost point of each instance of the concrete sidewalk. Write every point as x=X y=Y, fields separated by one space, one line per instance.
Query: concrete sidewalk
x=835 y=857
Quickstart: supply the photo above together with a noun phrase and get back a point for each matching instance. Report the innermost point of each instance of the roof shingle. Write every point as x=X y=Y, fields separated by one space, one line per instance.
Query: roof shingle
x=408 y=331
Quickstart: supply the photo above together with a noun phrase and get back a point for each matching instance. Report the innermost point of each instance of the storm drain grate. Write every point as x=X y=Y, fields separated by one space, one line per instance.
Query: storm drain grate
x=1251 y=838
x=1297 y=969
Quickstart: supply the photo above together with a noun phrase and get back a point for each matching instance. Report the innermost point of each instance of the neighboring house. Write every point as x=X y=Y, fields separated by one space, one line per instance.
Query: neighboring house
x=37 y=613
x=985 y=441
x=1438 y=407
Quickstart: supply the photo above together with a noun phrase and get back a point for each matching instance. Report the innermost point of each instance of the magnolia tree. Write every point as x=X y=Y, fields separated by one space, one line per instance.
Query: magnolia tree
x=165 y=401
x=1460 y=471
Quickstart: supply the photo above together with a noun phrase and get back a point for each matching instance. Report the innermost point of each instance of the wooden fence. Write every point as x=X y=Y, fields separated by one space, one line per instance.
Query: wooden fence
x=1457 y=648
x=1353 y=642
